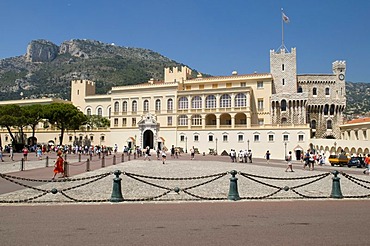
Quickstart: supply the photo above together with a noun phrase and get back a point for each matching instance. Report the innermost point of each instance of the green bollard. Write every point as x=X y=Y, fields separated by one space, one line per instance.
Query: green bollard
x=117 y=191
x=336 y=192
x=233 y=191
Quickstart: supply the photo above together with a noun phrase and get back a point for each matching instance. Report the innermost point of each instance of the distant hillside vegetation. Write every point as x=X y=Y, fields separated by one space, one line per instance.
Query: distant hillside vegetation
x=47 y=69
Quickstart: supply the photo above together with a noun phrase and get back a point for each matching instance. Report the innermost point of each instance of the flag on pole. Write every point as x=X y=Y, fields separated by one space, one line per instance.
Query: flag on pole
x=285 y=18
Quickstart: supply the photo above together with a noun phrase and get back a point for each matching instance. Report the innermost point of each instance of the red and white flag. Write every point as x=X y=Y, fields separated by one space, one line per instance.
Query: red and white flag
x=285 y=18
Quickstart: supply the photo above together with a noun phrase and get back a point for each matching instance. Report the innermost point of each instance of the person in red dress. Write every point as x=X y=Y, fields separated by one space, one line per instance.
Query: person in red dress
x=58 y=167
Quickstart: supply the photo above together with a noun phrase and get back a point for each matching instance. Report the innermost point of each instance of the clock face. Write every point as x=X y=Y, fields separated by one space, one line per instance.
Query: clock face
x=341 y=76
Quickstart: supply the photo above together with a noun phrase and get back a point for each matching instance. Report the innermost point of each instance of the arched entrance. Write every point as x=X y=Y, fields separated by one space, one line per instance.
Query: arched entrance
x=148 y=139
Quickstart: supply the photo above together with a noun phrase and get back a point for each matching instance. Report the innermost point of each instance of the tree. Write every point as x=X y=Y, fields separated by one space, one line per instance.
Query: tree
x=65 y=117
x=34 y=114
x=97 y=121
x=11 y=117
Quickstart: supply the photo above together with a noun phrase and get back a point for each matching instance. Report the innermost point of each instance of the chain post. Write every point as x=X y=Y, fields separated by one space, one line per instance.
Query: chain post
x=114 y=159
x=233 y=190
x=79 y=157
x=117 y=190
x=47 y=161
x=66 y=169
x=134 y=155
x=90 y=157
x=336 y=191
x=88 y=165
x=122 y=157
x=129 y=156
x=103 y=161
x=22 y=164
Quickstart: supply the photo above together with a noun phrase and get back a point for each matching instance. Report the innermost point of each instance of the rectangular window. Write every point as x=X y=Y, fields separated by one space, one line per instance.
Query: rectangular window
x=210 y=138
x=259 y=84
x=283 y=81
x=182 y=138
x=271 y=138
x=115 y=121
x=133 y=121
x=285 y=137
x=188 y=87
x=124 y=121
x=70 y=138
x=240 y=138
x=91 y=138
x=201 y=87
x=225 y=138
x=260 y=104
x=228 y=85
x=214 y=86
x=169 y=120
x=256 y=138
x=196 y=138
x=300 y=138
x=243 y=84
x=261 y=122
x=282 y=67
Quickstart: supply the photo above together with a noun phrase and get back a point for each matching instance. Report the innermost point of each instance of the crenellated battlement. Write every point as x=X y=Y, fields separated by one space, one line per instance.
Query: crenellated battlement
x=339 y=66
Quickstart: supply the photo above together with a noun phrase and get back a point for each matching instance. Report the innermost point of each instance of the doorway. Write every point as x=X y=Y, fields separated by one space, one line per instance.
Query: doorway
x=148 y=139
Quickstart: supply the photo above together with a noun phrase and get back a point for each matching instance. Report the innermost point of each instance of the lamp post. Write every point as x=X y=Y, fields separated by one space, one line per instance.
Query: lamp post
x=248 y=144
x=285 y=143
x=216 y=146
x=186 y=144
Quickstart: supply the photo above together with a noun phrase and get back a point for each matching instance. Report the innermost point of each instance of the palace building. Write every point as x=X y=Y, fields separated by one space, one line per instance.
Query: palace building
x=278 y=111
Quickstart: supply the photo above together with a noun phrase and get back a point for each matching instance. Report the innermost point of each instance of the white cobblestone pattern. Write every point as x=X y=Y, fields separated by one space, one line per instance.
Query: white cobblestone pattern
x=132 y=189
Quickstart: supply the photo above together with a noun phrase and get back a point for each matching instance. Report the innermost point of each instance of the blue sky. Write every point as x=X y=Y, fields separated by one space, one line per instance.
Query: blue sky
x=212 y=36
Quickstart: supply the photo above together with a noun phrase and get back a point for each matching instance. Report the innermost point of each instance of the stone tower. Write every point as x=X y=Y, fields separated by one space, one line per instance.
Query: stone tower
x=79 y=90
x=288 y=101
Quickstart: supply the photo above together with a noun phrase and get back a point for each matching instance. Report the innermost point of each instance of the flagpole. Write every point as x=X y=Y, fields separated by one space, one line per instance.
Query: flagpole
x=282 y=30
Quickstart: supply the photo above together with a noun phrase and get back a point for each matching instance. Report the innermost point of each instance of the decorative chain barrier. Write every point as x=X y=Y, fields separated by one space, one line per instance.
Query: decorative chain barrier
x=182 y=190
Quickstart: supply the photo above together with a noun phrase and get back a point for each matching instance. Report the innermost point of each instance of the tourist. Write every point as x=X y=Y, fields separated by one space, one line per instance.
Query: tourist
x=367 y=164
x=1 y=153
x=289 y=160
x=147 y=153
x=192 y=153
x=25 y=153
x=173 y=151
x=233 y=155
x=164 y=156
x=58 y=167
x=267 y=156
x=11 y=153
x=249 y=155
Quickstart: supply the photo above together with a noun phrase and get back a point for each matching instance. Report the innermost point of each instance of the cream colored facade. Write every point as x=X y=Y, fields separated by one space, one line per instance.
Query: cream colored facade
x=278 y=111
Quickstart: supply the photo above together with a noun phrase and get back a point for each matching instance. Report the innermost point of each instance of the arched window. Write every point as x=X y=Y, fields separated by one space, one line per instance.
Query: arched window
x=329 y=124
x=146 y=106
x=170 y=104
x=196 y=102
x=183 y=120
x=326 y=109
x=283 y=105
x=332 y=107
x=225 y=101
x=196 y=120
x=299 y=90
x=327 y=91
x=116 y=107
x=100 y=112
x=240 y=100
x=109 y=112
x=314 y=91
x=313 y=124
x=284 y=120
x=124 y=107
x=134 y=106
x=211 y=101
x=158 y=105
x=88 y=112
x=183 y=103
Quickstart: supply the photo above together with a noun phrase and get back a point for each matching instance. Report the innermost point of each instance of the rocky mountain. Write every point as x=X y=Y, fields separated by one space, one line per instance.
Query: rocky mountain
x=47 y=69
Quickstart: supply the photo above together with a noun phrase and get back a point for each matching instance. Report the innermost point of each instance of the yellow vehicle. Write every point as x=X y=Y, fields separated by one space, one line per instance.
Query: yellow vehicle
x=339 y=160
